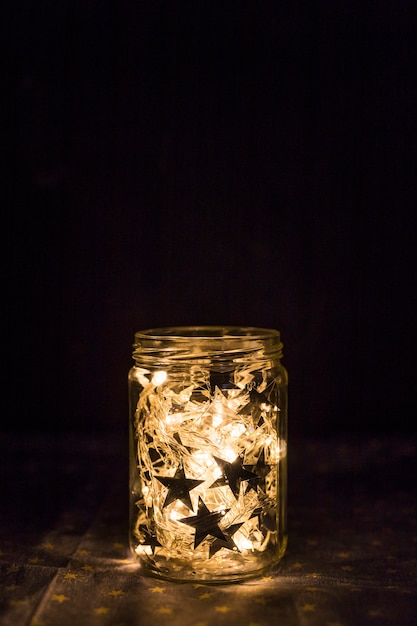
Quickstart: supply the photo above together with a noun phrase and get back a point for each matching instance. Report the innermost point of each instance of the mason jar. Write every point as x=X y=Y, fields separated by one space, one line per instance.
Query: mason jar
x=208 y=452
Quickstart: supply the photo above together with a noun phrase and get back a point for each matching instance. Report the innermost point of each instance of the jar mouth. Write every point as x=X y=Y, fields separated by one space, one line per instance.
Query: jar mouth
x=207 y=333
x=205 y=343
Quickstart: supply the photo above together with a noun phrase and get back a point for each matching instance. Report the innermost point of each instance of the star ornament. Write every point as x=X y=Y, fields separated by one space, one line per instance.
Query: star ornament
x=233 y=474
x=148 y=539
x=179 y=487
x=205 y=523
x=262 y=470
x=229 y=544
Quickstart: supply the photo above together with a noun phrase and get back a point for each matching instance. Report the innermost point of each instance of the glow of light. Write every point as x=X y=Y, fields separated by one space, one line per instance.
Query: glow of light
x=237 y=430
x=203 y=458
x=175 y=515
x=217 y=420
x=233 y=404
x=173 y=419
x=217 y=473
x=281 y=450
x=277 y=450
x=242 y=542
x=140 y=374
x=229 y=455
x=201 y=462
x=159 y=377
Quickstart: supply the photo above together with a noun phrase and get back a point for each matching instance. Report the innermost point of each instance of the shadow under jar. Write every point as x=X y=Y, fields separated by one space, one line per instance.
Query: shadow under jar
x=208 y=452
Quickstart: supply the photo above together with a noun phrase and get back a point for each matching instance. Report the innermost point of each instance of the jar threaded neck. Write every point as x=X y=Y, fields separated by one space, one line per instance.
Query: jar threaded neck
x=196 y=343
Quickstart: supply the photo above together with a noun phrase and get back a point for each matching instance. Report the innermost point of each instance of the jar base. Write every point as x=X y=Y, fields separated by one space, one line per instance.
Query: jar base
x=233 y=569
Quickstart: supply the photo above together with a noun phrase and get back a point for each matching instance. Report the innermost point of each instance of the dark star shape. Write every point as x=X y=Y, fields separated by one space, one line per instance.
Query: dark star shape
x=229 y=544
x=256 y=512
x=148 y=539
x=233 y=474
x=261 y=470
x=177 y=438
x=205 y=523
x=179 y=487
x=256 y=399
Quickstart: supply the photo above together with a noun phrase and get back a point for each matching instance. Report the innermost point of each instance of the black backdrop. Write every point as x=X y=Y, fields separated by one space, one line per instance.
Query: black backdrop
x=210 y=162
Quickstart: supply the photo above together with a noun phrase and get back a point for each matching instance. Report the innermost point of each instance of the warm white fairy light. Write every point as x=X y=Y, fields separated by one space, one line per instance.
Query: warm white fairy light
x=200 y=461
x=175 y=515
x=217 y=420
x=159 y=377
x=242 y=542
x=140 y=374
x=236 y=430
x=229 y=454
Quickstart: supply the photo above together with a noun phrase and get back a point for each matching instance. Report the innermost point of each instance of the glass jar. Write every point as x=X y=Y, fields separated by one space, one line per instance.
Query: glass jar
x=208 y=452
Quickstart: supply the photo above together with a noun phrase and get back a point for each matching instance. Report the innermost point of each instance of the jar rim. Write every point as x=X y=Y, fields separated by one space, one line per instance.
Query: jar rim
x=207 y=333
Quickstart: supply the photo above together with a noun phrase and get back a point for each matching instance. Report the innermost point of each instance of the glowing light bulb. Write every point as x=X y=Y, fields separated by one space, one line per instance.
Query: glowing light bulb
x=140 y=374
x=229 y=455
x=175 y=515
x=201 y=461
x=217 y=420
x=159 y=377
x=237 y=430
x=243 y=543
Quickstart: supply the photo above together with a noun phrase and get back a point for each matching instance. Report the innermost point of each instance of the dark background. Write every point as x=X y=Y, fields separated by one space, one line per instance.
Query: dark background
x=210 y=163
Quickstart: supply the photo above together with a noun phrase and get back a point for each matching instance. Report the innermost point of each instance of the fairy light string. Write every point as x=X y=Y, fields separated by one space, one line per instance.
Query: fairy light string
x=208 y=455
